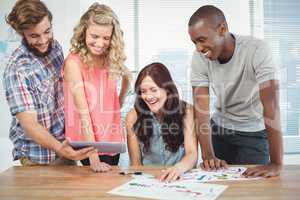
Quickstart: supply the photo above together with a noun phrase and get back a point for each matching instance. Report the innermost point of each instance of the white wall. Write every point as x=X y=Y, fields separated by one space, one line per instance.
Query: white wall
x=5 y=145
x=6 y=154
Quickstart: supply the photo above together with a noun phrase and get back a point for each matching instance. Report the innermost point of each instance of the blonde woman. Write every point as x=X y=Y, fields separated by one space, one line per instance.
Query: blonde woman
x=91 y=72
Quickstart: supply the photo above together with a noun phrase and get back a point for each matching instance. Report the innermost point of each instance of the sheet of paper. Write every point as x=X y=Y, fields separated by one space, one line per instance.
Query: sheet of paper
x=152 y=188
x=231 y=174
x=143 y=175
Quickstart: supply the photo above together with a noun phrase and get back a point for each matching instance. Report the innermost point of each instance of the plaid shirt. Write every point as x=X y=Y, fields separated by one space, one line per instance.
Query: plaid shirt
x=34 y=83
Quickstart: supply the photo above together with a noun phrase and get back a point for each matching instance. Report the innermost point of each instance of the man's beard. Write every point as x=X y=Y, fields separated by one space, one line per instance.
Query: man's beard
x=35 y=51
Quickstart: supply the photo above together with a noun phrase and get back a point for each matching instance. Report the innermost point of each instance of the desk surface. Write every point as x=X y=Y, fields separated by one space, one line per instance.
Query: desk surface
x=81 y=183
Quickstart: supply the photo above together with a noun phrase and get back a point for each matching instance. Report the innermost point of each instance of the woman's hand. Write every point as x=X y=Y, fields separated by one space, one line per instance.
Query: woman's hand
x=171 y=174
x=213 y=163
x=98 y=166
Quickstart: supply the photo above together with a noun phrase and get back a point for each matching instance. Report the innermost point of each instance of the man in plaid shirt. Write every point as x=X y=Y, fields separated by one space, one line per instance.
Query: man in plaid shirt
x=34 y=91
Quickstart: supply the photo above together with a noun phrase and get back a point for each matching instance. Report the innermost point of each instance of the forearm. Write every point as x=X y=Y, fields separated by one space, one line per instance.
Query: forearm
x=124 y=89
x=275 y=147
x=207 y=150
x=202 y=120
x=94 y=157
x=86 y=127
x=135 y=162
x=273 y=128
x=203 y=131
x=41 y=136
x=269 y=94
x=188 y=162
x=134 y=152
x=134 y=156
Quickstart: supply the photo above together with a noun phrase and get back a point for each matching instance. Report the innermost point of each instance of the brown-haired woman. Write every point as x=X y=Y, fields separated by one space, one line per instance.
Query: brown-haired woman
x=160 y=127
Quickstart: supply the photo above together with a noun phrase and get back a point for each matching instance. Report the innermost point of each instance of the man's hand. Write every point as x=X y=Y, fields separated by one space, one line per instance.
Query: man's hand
x=213 y=163
x=67 y=151
x=265 y=171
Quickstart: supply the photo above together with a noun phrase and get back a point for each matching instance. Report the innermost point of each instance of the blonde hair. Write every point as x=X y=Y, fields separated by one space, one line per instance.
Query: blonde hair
x=115 y=56
x=26 y=14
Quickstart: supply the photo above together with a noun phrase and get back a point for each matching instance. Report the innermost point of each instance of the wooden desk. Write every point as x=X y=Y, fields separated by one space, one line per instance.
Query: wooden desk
x=65 y=183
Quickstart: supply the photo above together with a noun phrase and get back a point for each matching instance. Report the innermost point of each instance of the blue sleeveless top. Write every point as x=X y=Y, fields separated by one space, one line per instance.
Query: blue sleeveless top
x=157 y=154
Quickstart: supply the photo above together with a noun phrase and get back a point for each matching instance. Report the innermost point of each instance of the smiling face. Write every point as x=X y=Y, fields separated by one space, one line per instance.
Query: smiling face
x=154 y=96
x=40 y=36
x=208 y=41
x=98 y=38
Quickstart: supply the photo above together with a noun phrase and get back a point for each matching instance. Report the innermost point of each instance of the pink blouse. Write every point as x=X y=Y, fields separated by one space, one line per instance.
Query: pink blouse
x=103 y=105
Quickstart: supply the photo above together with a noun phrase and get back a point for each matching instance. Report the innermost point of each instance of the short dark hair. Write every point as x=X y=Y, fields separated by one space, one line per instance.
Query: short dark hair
x=211 y=14
x=27 y=13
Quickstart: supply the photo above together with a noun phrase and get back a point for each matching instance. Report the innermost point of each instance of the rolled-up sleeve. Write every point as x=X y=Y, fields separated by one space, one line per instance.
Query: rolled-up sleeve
x=17 y=92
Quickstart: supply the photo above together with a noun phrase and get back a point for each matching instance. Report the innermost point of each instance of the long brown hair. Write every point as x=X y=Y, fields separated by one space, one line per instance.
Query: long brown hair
x=173 y=111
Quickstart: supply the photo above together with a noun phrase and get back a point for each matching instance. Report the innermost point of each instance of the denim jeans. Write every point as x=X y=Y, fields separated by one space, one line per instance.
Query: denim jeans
x=238 y=147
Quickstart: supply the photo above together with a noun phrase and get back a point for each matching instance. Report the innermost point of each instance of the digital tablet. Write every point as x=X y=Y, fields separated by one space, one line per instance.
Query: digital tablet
x=102 y=147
